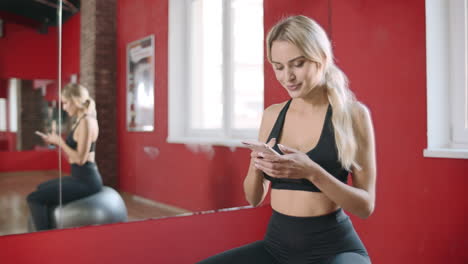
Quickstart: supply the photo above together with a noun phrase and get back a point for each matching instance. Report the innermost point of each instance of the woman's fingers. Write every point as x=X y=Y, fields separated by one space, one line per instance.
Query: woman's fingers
x=268 y=166
x=287 y=150
x=254 y=154
x=268 y=170
x=272 y=157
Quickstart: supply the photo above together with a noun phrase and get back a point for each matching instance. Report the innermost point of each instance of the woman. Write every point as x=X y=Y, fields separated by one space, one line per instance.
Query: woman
x=324 y=134
x=79 y=147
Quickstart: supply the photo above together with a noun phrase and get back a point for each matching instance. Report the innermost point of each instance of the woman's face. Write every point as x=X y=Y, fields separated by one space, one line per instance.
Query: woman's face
x=69 y=107
x=298 y=75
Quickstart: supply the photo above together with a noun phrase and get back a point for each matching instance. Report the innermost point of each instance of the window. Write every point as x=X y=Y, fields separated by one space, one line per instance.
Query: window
x=447 y=77
x=14 y=104
x=215 y=70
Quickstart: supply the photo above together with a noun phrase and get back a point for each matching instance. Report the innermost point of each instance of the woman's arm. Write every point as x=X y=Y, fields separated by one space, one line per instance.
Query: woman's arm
x=84 y=140
x=255 y=186
x=358 y=199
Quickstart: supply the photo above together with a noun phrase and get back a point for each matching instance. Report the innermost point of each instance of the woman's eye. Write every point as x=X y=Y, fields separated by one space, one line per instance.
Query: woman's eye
x=279 y=68
x=299 y=64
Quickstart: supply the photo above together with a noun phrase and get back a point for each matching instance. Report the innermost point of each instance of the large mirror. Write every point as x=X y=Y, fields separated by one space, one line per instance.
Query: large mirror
x=29 y=102
x=190 y=161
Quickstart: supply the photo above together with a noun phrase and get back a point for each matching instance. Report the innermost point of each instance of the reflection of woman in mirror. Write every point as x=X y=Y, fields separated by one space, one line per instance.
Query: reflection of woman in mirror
x=323 y=133
x=79 y=147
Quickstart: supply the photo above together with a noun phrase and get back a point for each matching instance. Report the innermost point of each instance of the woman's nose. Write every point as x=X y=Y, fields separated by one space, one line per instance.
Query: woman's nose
x=291 y=76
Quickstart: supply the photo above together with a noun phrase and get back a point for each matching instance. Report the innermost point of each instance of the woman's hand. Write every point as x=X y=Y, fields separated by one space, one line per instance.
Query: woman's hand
x=293 y=164
x=52 y=138
x=256 y=155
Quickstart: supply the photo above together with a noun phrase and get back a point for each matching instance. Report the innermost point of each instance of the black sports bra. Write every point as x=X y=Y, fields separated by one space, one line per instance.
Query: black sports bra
x=324 y=154
x=70 y=141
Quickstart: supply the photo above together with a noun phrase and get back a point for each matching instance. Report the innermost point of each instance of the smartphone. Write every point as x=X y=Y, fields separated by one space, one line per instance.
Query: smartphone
x=39 y=133
x=260 y=147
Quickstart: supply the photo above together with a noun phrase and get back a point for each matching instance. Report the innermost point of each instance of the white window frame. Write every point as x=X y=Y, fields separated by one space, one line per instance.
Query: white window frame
x=446 y=67
x=14 y=105
x=179 y=87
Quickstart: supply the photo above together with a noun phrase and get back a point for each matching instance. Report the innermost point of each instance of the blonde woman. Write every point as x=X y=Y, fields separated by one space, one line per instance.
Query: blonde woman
x=79 y=146
x=323 y=134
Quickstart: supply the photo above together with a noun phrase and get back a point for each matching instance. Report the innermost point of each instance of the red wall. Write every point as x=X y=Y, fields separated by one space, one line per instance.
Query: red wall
x=7 y=141
x=28 y=160
x=26 y=54
x=71 y=47
x=3 y=88
x=176 y=240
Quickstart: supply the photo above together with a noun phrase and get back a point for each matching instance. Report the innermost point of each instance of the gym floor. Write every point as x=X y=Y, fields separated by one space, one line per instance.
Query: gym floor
x=14 y=211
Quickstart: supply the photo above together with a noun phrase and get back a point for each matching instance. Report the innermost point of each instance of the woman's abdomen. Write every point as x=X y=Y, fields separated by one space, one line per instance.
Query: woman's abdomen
x=301 y=203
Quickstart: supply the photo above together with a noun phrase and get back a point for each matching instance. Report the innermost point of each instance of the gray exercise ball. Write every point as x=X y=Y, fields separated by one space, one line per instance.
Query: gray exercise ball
x=104 y=207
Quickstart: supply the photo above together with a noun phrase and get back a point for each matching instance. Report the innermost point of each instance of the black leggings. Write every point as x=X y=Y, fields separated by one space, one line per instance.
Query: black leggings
x=85 y=181
x=328 y=239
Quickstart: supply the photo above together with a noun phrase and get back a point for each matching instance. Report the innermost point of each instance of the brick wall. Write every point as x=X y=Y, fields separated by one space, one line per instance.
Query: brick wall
x=32 y=117
x=97 y=72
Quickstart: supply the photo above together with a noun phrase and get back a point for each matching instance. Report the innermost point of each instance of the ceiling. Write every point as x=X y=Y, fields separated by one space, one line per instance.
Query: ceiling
x=37 y=13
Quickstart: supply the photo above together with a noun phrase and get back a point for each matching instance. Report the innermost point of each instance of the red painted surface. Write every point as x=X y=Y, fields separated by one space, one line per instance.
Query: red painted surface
x=7 y=141
x=3 y=88
x=71 y=48
x=51 y=92
x=174 y=240
x=27 y=54
x=28 y=160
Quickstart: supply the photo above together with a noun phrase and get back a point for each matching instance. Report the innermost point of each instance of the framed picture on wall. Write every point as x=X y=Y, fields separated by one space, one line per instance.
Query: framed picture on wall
x=140 y=84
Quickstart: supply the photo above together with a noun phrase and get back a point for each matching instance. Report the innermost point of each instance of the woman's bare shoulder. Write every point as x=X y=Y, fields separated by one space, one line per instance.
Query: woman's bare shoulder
x=362 y=119
x=273 y=110
x=88 y=123
x=268 y=119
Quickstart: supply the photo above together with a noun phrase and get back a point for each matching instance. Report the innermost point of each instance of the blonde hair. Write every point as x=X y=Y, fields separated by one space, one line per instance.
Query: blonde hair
x=79 y=95
x=310 y=38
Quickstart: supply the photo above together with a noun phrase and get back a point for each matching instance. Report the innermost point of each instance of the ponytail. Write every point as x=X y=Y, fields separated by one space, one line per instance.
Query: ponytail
x=341 y=100
x=80 y=97
x=90 y=106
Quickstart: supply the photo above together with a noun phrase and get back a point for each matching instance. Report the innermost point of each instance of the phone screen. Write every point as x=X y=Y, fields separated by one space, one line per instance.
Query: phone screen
x=40 y=134
x=259 y=147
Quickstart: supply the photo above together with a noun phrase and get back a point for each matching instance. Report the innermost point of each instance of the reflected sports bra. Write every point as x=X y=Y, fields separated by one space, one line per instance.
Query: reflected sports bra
x=324 y=154
x=72 y=143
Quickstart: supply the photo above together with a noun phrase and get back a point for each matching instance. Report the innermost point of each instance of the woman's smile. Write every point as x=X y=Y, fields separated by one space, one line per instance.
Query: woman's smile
x=293 y=87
